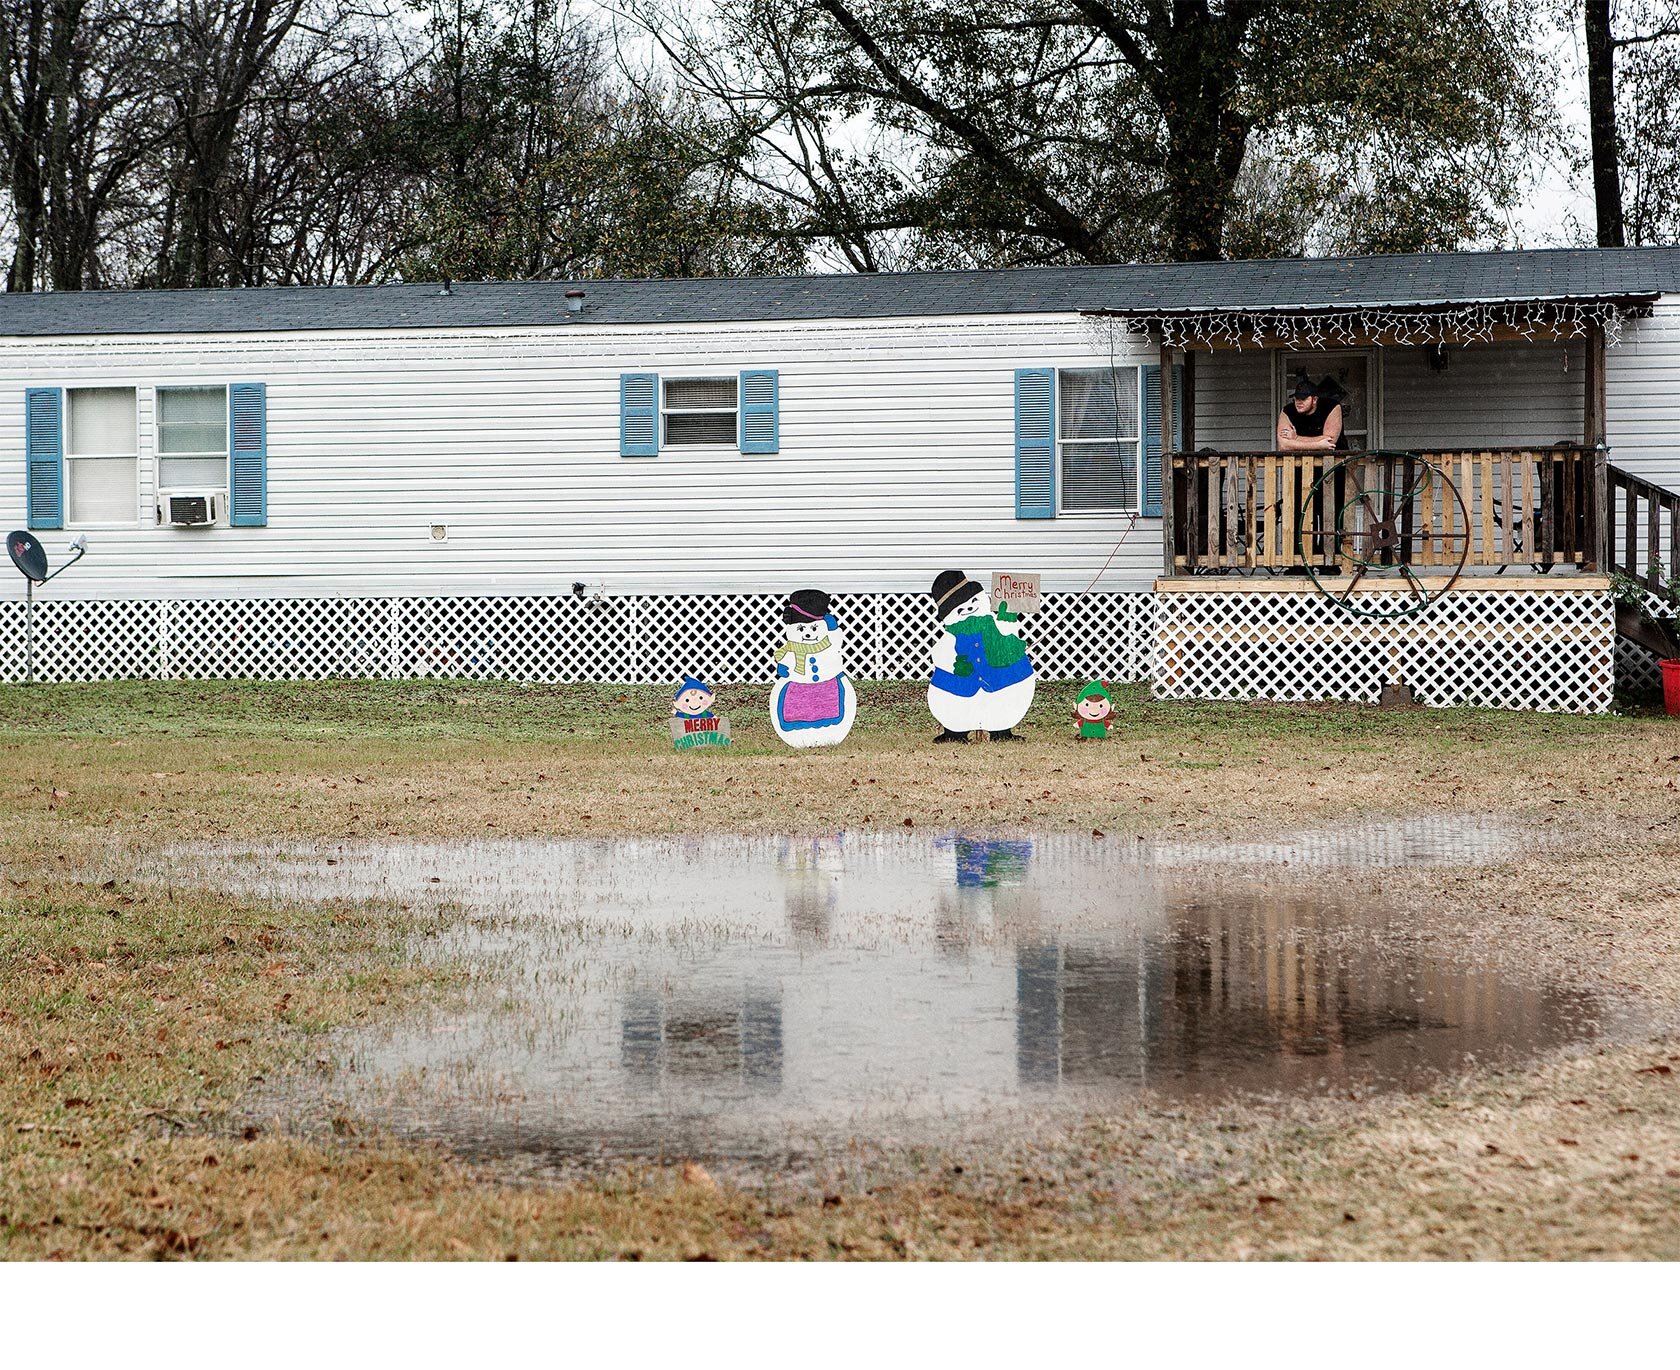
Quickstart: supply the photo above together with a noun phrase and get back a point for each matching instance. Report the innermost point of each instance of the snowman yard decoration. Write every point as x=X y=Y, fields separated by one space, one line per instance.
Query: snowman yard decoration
x=982 y=678
x=812 y=703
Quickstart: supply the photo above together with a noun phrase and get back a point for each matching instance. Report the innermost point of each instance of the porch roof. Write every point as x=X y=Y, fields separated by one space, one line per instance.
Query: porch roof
x=1626 y=276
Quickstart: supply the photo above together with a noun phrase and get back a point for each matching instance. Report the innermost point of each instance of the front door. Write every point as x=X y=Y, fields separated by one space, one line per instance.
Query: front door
x=1355 y=372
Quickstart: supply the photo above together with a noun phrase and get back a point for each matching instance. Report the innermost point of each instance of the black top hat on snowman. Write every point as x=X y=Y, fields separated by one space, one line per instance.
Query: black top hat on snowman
x=951 y=590
x=806 y=606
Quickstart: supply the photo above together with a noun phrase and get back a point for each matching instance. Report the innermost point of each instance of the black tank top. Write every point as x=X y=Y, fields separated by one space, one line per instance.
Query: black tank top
x=1312 y=425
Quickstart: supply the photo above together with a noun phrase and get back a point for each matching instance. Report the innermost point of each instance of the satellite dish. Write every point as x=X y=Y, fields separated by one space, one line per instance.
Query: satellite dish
x=28 y=555
x=31 y=558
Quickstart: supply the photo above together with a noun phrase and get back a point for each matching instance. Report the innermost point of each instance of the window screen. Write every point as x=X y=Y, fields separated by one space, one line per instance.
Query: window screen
x=1097 y=418
x=102 y=423
x=700 y=411
x=192 y=437
x=102 y=490
x=101 y=466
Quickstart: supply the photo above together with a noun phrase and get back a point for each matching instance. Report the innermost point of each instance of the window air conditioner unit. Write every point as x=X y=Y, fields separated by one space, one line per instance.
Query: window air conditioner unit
x=190 y=508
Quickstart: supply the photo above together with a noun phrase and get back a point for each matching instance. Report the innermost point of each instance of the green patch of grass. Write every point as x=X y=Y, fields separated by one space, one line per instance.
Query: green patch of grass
x=486 y=711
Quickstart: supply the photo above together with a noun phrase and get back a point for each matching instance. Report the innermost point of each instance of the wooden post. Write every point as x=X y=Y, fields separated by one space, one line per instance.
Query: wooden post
x=1167 y=482
x=1188 y=439
x=1596 y=437
x=1167 y=434
x=1169 y=496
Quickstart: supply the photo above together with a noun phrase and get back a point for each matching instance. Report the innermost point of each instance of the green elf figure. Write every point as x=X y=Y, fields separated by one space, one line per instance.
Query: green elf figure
x=1094 y=711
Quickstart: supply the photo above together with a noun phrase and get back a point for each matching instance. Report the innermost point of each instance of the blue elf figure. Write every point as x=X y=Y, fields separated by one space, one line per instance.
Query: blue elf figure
x=693 y=700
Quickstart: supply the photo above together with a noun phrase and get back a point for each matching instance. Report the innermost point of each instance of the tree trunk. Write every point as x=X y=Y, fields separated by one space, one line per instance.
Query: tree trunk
x=28 y=125
x=62 y=207
x=1601 y=121
x=1197 y=76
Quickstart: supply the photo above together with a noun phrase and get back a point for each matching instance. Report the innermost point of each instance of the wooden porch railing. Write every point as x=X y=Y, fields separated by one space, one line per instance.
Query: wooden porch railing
x=1639 y=516
x=1236 y=512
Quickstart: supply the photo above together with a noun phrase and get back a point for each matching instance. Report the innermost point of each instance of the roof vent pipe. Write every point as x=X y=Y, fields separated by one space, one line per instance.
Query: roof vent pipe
x=446 y=290
x=574 y=302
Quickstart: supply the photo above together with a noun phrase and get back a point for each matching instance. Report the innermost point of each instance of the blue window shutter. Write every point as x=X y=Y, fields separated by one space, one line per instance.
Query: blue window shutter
x=638 y=414
x=43 y=443
x=761 y=425
x=248 y=455
x=1035 y=443
x=1151 y=376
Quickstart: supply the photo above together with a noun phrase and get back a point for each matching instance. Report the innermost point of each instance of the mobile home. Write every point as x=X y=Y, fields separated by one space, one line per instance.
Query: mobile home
x=616 y=479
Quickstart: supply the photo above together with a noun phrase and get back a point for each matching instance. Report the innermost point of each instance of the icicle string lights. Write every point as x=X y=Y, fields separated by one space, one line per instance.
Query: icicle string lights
x=1533 y=320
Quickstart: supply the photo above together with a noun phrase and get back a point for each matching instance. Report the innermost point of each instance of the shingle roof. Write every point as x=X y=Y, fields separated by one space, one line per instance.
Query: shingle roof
x=1294 y=283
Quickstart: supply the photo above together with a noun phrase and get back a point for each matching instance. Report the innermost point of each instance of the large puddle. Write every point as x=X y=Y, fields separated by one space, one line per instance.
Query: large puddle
x=745 y=997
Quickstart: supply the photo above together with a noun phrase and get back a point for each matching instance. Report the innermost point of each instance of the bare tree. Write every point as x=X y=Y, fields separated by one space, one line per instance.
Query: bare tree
x=1100 y=130
x=76 y=118
x=1633 y=117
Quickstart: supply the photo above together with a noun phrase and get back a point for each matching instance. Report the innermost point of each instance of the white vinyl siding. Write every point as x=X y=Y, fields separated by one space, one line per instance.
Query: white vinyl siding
x=897 y=457
x=1642 y=378
x=1234 y=409
x=1487 y=394
x=1097 y=439
x=101 y=456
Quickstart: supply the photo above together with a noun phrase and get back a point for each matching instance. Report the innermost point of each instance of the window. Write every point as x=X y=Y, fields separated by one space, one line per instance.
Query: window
x=1356 y=373
x=192 y=438
x=1098 y=438
x=700 y=412
x=101 y=456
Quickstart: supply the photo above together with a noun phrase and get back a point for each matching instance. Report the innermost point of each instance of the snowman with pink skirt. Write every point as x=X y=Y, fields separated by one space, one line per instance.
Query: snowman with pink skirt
x=813 y=703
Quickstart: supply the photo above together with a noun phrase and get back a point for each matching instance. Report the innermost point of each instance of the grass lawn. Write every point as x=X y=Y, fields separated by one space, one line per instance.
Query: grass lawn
x=138 y=1023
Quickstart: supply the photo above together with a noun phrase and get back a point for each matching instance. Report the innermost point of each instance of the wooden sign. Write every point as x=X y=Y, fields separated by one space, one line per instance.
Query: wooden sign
x=1020 y=590
x=699 y=732
x=983 y=680
x=693 y=724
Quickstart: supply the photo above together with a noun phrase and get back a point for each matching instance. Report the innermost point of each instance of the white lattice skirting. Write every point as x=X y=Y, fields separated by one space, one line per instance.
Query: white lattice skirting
x=1541 y=649
x=1550 y=649
x=628 y=638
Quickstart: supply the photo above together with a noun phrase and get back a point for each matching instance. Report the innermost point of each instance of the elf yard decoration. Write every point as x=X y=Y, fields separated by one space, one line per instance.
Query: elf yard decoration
x=812 y=703
x=982 y=679
x=693 y=724
x=1093 y=711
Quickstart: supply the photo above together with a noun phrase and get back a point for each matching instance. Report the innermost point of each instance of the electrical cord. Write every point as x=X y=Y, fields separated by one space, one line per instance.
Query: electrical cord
x=1114 y=381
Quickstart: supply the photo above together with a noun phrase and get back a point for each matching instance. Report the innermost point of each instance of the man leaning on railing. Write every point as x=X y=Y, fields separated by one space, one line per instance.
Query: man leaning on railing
x=1309 y=423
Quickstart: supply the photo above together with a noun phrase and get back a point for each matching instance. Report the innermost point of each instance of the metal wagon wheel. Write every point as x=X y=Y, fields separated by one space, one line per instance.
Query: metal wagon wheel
x=1384 y=530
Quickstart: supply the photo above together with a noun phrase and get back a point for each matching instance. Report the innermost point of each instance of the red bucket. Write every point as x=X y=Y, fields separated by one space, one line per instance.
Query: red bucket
x=1671 y=685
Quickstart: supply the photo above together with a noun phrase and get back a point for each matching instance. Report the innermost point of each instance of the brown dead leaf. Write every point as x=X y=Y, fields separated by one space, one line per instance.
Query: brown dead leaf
x=693 y=1173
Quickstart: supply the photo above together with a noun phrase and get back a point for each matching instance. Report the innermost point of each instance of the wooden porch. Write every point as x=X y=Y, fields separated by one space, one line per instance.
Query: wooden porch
x=1430 y=514
x=1348 y=513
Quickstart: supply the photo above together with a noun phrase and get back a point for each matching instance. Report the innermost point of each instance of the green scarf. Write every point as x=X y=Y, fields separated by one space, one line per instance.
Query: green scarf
x=802 y=650
x=1002 y=649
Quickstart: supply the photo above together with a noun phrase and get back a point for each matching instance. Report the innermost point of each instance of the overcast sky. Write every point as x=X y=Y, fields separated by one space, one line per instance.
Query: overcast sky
x=1542 y=219
x=1550 y=213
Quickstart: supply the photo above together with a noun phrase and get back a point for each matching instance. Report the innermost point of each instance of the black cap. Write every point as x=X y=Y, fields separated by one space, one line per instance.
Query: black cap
x=1304 y=388
x=806 y=606
x=950 y=589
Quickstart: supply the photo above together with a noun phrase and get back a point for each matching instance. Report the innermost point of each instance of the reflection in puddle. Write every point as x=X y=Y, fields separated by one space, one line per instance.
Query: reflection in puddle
x=747 y=997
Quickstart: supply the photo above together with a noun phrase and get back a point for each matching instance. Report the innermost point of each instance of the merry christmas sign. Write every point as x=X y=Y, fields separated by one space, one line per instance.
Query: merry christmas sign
x=693 y=724
x=1018 y=589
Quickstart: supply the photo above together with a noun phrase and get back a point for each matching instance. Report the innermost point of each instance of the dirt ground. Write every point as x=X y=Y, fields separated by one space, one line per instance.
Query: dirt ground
x=139 y=1024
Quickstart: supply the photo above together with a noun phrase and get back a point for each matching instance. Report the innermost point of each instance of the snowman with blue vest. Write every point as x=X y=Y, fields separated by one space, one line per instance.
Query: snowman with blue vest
x=982 y=677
